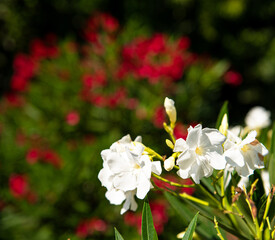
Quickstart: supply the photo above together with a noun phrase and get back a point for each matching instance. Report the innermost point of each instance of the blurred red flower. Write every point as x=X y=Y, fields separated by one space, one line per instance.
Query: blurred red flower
x=49 y=156
x=87 y=227
x=19 y=185
x=159 y=117
x=33 y=155
x=233 y=78
x=72 y=118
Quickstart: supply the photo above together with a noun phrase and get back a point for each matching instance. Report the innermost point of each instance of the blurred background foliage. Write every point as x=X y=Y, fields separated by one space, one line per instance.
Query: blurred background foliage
x=88 y=79
x=241 y=32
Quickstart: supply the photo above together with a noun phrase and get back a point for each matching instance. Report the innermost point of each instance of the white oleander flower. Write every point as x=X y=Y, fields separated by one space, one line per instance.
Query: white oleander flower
x=245 y=155
x=170 y=109
x=257 y=118
x=200 y=153
x=126 y=172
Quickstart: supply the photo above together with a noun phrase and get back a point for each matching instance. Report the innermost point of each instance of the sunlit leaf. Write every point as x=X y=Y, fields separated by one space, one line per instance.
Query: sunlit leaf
x=148 y=231
x=191 y=228
x=224 y=110
x=118 y=235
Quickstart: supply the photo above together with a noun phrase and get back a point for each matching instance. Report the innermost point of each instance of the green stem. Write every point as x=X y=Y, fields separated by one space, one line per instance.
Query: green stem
x=172 y=183
x=152 y=152
x=217 y=229
x=209 y=194
x=194 y=199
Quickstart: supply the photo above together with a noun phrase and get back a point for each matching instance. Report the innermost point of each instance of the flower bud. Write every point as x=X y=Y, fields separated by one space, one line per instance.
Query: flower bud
x=170 y=110
x=169 y=144
x=224 y=125
x=169 y=163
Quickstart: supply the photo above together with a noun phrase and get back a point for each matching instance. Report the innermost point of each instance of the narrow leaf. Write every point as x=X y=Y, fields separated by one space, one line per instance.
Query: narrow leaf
x=224 y=110
x=186 y=212
x=118 y=235
x=148 y=231
x=191 y=228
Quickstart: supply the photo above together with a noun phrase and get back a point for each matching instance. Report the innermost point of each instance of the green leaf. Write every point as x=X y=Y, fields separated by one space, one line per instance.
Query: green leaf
x=186 y=212
x=148 y=231
x=191 y=228
x=118 y=235
x=224 y=110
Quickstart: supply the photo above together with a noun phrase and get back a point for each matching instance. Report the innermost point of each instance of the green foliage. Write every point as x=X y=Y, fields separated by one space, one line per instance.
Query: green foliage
x=191 y=228
x=148 y=231
x=118 y=235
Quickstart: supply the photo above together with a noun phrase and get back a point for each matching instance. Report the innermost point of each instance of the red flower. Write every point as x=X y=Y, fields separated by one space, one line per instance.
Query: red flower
x=14 y=99
x=23 y=70
x=159 y=214
x=33 y=155
x=51 y=157
x=159 y=117
x=183 y=43
x=96 y=224
x=19 y=185
x=72 y=118
x=180 y=131
x=44 y=49
x=109 y=23
x=88 y=227
x=233 y=78
x=117 y=98
x=82 y=230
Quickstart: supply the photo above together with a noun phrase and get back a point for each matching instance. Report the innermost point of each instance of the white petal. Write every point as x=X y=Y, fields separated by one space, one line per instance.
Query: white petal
x=260 y=148
x=125 y=140
x=146 y=166
x=104 y=177
x=244 y=171
x=234 y=157
x=117 y=163
x=183 y=173
x=156 y=167
x=212 y=137
x=143 y=187
x=193 y=136
x=185 y=160
x=228 y=144
x=138 y=139
x=125 y=182
x=216 y=160
x=233 y=137
x=115 y=196
x=105 y=153
x=180 y=145
x=129 y=201
x=243 y=182
x=249 y=138
x=204 y=170
x=266 y=182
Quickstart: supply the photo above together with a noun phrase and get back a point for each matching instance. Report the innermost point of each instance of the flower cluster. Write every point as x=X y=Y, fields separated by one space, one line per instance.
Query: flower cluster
x=156 y=58
x=126 y=172
x=127 y=167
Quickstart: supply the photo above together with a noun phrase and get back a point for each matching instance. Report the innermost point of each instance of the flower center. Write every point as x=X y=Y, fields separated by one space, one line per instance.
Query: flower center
x=199 y=151
x=245 y=148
